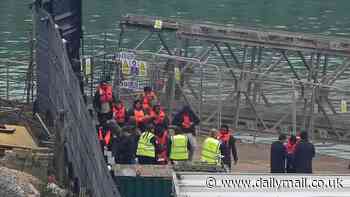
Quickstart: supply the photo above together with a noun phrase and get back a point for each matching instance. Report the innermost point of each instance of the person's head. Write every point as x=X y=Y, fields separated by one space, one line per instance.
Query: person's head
x=103 y=82
x=147 y=89
x=293 y=139
x=213 y=133
x=118 y=103
x=224 y=128
x=137 y=104
x=282 y=137
x=156 y=108
x=186 y=109
x=178 y=130
x=304 y=136
x=149 y=128
x=158 y=129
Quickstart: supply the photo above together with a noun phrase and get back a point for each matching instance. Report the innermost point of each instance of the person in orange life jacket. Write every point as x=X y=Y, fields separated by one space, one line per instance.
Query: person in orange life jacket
x=162 y=137
x=147 y=98
x=178 y=131
x=228 y=143
x=138 y=114
x=159 y=117
x=290 y=146
x=187 y=120
x=147 y=137
x=104 y=135
x=103 y=100
x=120 y=113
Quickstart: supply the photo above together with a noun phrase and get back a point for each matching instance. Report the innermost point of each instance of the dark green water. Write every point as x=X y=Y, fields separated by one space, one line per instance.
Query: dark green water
x=328 y=17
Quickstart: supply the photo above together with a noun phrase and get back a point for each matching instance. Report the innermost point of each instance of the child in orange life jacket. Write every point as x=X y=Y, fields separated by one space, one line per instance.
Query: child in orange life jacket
x=103 y=102
x=119 y=113
x=229 y=146
x=290 y=146
x=147 y=98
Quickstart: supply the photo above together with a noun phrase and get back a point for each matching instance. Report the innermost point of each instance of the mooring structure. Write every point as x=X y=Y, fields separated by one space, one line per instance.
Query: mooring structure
x=254 y=79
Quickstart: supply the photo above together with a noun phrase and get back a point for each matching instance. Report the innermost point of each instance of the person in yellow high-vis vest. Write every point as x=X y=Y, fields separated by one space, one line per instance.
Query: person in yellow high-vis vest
x=146 y=148
x=179 y=146
x=211 y=150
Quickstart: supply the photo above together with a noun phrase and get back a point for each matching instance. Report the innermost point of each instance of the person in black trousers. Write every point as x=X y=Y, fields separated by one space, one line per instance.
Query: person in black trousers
x=228 y=144
x=278 y=155
x=304 y=152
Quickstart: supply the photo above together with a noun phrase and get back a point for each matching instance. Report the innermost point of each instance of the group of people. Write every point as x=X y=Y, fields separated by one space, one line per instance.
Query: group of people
x=293 y=155
x=142 y=133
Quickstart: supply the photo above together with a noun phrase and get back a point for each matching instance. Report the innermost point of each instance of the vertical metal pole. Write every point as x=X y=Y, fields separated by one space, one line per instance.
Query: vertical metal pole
x=92 y=77
x=187 y=43
x=257 y=85
x=238 y=98
x=218 y=69
x=311 y=121
x=104 y=55
x=294 y=108
x=201 y=96
x=172 y=89
x=325 y=65
x=252 y=62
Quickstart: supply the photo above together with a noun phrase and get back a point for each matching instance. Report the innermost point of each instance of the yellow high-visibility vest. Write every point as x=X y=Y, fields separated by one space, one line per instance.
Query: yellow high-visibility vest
x=145 y=147
x=179 y=149
x=211 y=151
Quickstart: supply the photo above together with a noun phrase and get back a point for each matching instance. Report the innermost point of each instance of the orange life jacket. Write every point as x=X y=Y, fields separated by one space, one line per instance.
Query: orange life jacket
x=107 y=138
x=158 y=118
x=119 y=114
x=163 y=144
x=139 y=116
x=224 y=137
x=100 y=134
x=291 y=147
x=186 y=122
x=106 y=93
x=147 y=99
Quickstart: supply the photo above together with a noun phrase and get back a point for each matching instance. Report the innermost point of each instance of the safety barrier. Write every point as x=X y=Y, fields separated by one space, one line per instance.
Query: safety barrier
x=60 y=98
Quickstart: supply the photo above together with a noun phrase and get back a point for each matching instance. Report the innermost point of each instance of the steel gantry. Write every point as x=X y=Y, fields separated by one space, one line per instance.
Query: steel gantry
x=258 y=79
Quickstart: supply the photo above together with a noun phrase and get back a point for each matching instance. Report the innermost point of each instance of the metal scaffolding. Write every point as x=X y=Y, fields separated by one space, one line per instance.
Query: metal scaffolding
x=267 y=80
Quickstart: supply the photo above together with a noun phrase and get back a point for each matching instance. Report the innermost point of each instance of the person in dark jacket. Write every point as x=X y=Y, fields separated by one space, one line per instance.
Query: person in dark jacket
x=187 y=120
x=278 y=155
x=304 y=152
x=229 y=146
x=124 y=147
